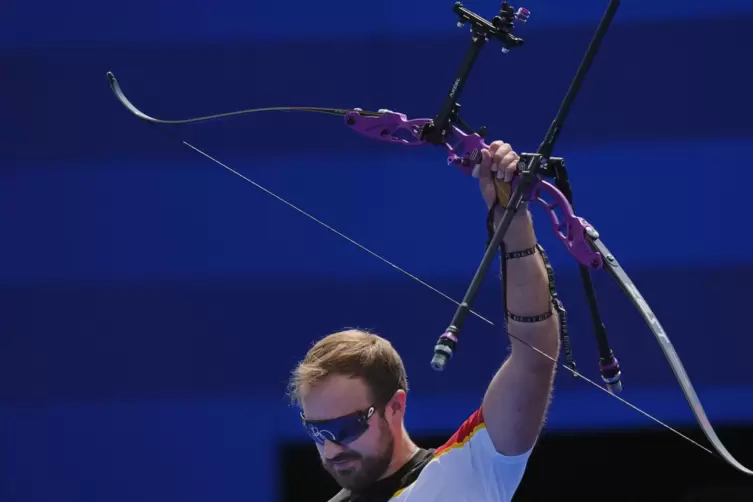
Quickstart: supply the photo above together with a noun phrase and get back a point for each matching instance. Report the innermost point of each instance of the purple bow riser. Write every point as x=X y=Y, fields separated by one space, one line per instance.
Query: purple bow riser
x=465 y=154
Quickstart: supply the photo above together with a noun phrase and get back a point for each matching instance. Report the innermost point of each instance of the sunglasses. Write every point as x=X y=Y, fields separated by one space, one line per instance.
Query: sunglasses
x=340 y=430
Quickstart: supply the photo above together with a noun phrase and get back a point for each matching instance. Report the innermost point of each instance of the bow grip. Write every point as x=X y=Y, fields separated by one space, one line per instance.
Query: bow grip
x=573 y=231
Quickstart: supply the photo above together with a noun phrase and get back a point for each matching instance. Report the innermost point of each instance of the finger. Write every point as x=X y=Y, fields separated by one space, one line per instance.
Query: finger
x=505 y=162
x=485 y=165
x=496 y=146
x=508 y=159
x=507 y=167
x=511 y=170
x=500 y=153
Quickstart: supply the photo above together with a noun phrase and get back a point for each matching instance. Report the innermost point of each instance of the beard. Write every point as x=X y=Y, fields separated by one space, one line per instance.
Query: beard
x=366 y=469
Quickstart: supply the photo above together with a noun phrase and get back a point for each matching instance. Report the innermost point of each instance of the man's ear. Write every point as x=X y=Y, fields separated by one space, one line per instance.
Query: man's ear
x=396 y=406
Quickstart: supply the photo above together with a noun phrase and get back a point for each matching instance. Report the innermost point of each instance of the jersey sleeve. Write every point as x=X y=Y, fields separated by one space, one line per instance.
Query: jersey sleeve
x=471 y=454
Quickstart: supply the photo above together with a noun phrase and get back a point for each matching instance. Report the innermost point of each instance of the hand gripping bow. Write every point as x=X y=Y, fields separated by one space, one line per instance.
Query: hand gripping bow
x=447 y=130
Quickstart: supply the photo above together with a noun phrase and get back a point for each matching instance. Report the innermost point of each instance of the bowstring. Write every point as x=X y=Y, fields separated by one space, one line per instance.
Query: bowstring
x=447 y=297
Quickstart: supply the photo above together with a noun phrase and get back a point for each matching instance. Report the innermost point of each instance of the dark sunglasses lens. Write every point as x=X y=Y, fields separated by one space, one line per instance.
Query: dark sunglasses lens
x=340 y=431
x=352 y=432
x=319 y=433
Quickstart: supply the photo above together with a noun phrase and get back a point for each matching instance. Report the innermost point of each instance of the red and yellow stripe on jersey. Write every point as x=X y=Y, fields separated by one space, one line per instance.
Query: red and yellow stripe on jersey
x=466 y=468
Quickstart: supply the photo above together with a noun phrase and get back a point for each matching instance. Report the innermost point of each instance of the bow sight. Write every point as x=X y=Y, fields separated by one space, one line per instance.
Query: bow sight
x=437 y=131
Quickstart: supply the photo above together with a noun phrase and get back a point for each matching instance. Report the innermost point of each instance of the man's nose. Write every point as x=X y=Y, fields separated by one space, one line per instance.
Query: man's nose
x=330 y=450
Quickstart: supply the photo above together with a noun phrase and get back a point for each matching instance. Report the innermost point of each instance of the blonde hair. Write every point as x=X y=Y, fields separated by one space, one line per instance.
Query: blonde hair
x=353 y=353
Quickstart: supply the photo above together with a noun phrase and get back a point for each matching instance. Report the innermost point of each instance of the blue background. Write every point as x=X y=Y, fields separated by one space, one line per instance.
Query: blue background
x=154 y=303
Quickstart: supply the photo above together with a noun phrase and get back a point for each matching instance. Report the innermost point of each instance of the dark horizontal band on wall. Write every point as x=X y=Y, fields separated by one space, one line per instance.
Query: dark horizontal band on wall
x=651 y=81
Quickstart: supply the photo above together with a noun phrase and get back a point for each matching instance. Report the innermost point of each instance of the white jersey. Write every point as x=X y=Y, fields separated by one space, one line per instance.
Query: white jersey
x=466 y=468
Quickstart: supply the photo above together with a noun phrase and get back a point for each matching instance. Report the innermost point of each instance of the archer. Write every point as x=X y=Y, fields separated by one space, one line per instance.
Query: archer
x=352 y=388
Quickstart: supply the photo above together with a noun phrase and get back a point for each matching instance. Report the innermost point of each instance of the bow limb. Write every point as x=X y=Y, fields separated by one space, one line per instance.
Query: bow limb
x=115 y=86
x=626 y=284
x=583 y=243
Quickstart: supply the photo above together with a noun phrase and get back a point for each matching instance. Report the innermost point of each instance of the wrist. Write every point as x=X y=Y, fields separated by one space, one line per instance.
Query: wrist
x=521 y=219
x=520 y=234
x=499 y=210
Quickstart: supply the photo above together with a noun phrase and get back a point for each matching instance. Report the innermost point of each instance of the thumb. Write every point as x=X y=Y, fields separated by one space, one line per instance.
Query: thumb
x=482 y=170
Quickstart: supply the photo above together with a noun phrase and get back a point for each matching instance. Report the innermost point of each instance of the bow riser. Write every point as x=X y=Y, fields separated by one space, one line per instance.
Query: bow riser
x=466 y=154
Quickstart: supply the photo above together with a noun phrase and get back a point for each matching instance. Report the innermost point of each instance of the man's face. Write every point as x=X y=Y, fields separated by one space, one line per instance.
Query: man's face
x=364 y=460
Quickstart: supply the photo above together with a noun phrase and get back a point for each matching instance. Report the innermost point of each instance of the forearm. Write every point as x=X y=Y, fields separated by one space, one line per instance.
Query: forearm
x=516 y=401
x=527 y=292
x=518 y=396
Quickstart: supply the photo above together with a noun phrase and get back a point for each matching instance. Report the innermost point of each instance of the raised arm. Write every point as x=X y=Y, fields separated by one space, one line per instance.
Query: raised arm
x=516 y=401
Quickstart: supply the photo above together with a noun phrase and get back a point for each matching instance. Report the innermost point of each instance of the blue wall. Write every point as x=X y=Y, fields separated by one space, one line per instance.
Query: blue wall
x=153 y=303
